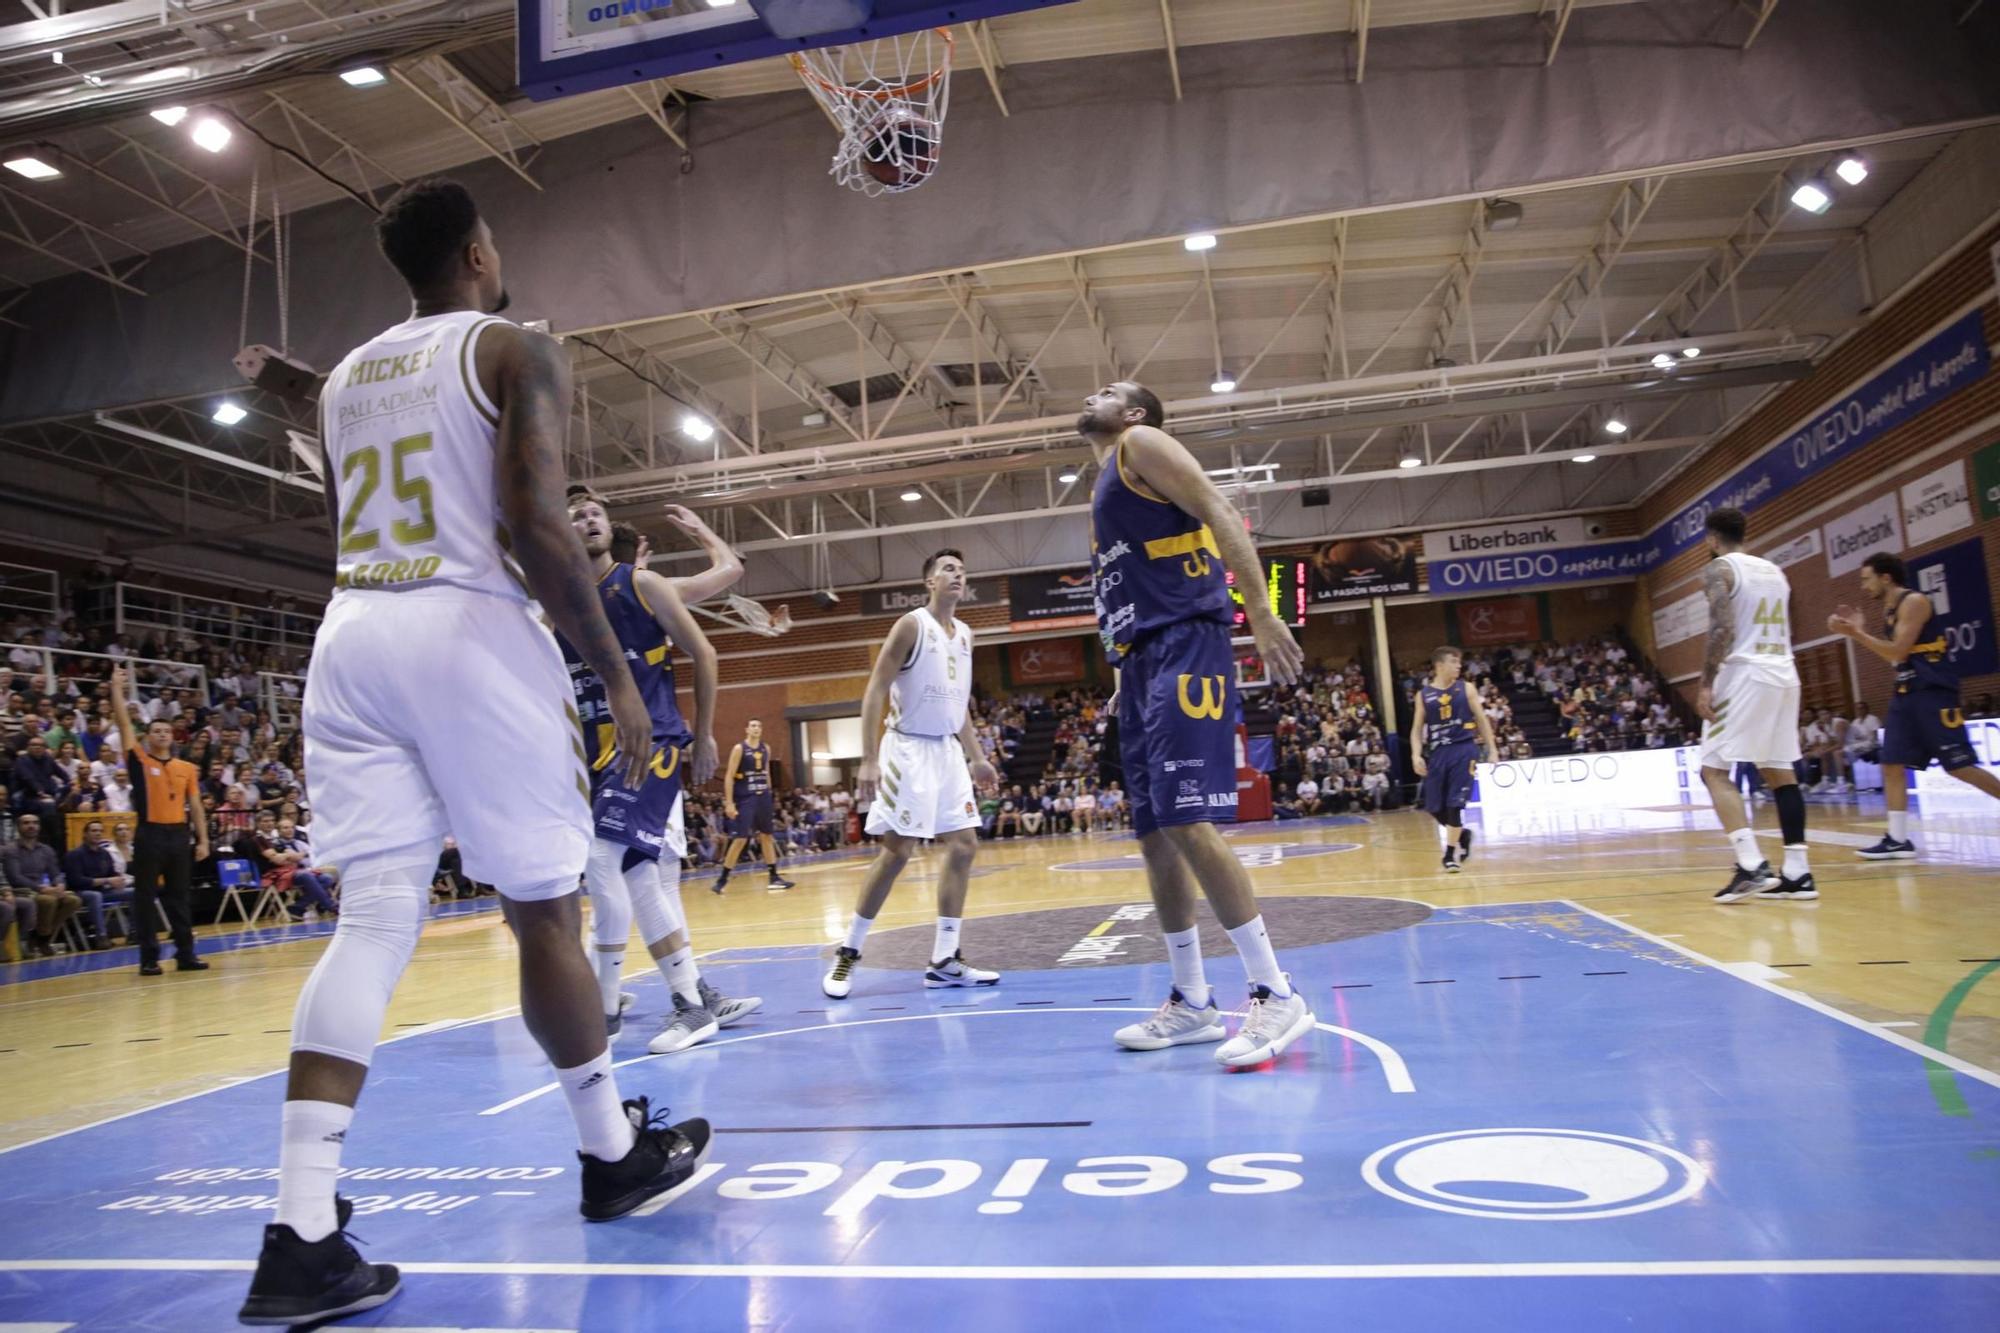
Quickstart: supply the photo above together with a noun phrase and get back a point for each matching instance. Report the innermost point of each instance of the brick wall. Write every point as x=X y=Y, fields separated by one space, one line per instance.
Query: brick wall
x=1917 y=447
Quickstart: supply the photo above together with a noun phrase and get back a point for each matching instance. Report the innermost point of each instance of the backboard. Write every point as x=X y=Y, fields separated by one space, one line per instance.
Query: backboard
x=578 y=46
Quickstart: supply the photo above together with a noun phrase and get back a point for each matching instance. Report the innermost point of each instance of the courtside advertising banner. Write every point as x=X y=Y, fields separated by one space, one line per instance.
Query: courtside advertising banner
x=1622 y=779
x=1063 y=599
x=1954 y=578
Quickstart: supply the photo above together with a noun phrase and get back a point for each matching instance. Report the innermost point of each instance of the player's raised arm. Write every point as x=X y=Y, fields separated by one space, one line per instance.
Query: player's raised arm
x=532 y=383
x=725 y=567
x=875 y=703
x=1164 y=464
x=1846 y=620
x=664 y=599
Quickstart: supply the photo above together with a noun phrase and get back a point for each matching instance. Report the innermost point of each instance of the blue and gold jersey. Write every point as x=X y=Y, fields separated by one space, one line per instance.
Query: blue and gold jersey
x=1928 y=666
x=1155 y=564
x=753 y=772
x=647 y=650
x=1447 y=716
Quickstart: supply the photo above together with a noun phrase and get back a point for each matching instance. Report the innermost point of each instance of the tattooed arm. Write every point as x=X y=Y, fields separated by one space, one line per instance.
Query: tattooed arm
x=531 y=383
x=1718 y=581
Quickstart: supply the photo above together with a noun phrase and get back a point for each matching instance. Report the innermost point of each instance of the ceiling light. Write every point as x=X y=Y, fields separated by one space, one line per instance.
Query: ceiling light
x=911 y=497
x=228 y=414
x=1224 y=382
x=1583 y=458
x=720 y=4
x=1690 y=352
x=1503 y=215
x=32 y=167
x=364 y=76
x=1615 y=425
x=1664 y=361
x=170 y=115
x=56 y=57
x=1201 y=240
x=697 y=427
x=1411 y=461
x=813 y=419
x=171 y=74
x=1852 y=168
x=820 y=756
x=1813 y=195
x=211 y=134
x=1066 y=476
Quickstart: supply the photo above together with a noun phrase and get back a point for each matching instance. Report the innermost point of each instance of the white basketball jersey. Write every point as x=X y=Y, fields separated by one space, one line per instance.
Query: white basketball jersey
x=409 y=436
x=929 y=694
x=1761 y=607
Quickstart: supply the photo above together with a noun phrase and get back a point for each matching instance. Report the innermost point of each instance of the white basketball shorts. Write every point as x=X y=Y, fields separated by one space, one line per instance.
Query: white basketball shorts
x=1757 y=721
x=926 y=788
x=442 y=710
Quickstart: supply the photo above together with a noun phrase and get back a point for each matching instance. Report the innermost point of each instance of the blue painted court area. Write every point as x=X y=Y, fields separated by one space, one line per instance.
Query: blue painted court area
x=1512 y=1117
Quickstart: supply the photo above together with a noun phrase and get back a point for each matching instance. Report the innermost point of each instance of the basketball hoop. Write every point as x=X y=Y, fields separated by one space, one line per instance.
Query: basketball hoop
x=887 y=98
x=759 y=620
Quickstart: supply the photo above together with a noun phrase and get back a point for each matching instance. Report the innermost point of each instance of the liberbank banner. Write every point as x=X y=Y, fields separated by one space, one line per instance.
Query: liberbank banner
x=1929 y=374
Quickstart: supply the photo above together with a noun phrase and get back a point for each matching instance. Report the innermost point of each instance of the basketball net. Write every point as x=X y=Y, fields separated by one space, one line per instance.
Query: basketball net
x=759 y=620
x=887 y=98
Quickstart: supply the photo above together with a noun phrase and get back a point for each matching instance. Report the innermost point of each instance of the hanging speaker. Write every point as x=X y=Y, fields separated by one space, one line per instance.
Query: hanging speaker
x=1314 y=497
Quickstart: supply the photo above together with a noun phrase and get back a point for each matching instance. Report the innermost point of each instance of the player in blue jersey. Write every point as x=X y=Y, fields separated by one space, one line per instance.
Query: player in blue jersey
x=1161 y=536
x=1925 y=719
x=1450 y=728
x=634 y=865
x=747 y=803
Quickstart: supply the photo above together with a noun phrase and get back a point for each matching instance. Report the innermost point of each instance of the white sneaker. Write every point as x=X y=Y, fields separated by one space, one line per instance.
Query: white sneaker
x=689 y=1026
x=839 y=979
x=955 y=971
x=1174 y=1023
x=1271 y=1026
x=727 y=1010
x=626 y=999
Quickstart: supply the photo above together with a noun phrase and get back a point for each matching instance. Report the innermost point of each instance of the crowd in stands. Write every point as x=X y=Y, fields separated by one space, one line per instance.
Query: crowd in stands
x=1331 y=757
x=1605 y=697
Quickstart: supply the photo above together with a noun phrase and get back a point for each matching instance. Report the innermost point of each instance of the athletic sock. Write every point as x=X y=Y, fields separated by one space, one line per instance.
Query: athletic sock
x=857 y=931
x=602 y=1131
x=772 y=866
x=945 y=944
x=1745 y=842
x=610 y=965
x=683 y=977
x=313 y=1135
x=1184 y=952
x=1791 y=803
x=1795 y=861
x=1260 y=964
x=1899 y=825
x=1447 y=836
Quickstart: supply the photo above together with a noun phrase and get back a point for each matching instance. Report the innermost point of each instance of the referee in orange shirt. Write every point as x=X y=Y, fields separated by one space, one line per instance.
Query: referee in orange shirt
x=166 y=796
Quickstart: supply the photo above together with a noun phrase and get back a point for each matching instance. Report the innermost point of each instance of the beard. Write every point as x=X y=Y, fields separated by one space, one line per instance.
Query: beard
x=1088 y=423
x=596 y=546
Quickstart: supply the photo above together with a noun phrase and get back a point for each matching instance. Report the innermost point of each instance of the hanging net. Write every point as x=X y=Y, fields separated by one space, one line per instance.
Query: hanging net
x=887 y=98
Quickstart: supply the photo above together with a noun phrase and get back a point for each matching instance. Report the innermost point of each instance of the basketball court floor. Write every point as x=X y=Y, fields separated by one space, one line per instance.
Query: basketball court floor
x=1560 y=1088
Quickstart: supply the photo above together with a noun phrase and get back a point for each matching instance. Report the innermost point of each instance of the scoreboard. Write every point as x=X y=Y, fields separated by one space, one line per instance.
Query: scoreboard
x=1285 y=587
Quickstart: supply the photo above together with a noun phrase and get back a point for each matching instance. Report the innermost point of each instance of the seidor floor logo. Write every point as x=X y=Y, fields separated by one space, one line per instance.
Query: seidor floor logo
x=1534 y=1175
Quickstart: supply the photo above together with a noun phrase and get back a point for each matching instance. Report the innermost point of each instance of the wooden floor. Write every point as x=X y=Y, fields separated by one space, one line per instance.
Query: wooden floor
x=1896 y=943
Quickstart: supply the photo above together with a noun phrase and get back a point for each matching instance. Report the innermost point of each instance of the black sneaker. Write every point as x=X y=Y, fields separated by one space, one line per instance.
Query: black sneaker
x=720 y=880
x=191 y=965
x=1889 y=850
x=299 y=1282
x=1464 y=845
x=1800 y=890
x=1450 y=861
x=664 y=1156
x=778 y=883
x=150 y=970
x=1746 y=882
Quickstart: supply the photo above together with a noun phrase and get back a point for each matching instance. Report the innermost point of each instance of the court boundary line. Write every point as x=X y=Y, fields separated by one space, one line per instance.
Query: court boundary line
x=1956 y=1063
x=441 y=1025
x=1395 y=1071
x=1976 y=1268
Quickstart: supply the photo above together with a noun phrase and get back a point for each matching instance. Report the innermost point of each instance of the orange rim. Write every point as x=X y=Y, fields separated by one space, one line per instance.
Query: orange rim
x=848 y=90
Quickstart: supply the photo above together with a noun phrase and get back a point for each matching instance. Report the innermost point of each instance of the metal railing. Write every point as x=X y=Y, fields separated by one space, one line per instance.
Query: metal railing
x=51 y=677
x=282 y=696
x=26 y=590
x=139 y=607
